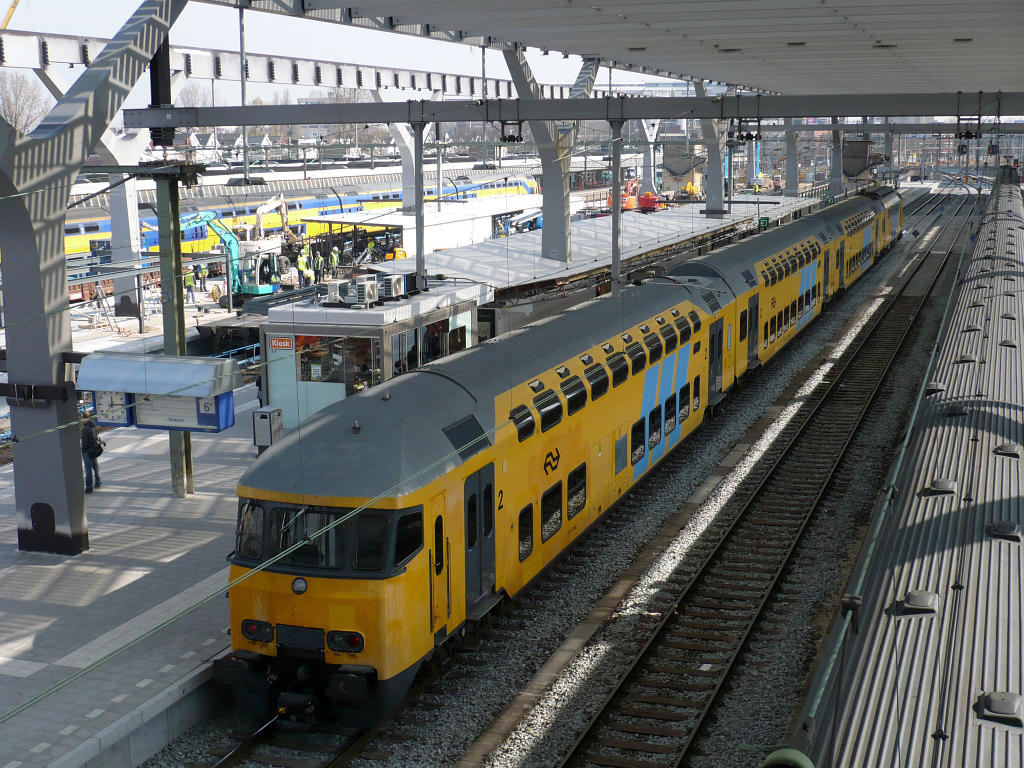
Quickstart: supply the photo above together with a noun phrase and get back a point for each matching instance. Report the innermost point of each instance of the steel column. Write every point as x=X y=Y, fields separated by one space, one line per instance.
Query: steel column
x=616 y=206
x=36 y=174
x=172 y=300
x=648 y=178
x=714 y=142
x=421 y=249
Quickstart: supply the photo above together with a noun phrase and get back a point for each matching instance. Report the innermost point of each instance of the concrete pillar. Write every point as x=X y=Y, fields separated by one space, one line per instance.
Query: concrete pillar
x=835 y=186
x=890 y=160
x=555 y=144
x=714 y=134
x=792 y=162
x=404 y=140
x=648 y=179
x=36 y=175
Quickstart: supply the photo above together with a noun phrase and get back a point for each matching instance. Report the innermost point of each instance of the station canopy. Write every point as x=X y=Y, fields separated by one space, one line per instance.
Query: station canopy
x=798 y=47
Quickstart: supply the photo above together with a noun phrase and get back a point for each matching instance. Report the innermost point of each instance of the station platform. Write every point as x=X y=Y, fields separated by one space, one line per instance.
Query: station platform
x=150 y=555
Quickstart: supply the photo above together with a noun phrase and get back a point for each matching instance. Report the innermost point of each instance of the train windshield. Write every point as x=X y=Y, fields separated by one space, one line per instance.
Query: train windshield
x=362 y=543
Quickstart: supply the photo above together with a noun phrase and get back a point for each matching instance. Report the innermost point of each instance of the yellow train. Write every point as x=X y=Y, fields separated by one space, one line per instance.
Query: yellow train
x=493 y=461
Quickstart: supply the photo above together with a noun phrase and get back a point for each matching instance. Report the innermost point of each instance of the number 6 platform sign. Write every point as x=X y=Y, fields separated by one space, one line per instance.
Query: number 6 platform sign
x=161 y=392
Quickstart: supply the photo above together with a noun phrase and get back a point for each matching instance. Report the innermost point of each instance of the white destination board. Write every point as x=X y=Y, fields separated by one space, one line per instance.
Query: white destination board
x=171 y=411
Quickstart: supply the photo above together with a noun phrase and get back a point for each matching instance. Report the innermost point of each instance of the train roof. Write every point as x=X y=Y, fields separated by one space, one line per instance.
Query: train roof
x=322 y=456
x=934 y=673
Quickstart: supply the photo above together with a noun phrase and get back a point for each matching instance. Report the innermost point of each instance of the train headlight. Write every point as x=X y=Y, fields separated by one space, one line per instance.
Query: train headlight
x=257 y=631
x=345 y=642
x=299 y=586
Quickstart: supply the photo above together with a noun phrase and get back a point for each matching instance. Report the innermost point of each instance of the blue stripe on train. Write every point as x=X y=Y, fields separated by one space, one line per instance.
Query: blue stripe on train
x=650 y=399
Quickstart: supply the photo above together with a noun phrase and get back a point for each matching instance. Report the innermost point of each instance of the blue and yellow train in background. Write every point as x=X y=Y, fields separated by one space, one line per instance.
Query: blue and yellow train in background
x=486 y=466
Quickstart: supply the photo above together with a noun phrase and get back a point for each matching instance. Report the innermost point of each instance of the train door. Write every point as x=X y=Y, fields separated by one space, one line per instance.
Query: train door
x=600 y=464
x=841 y=262
x=753 y=328
x=440 y=566
x=828 y=260
x=478 y=504
x=715 y=335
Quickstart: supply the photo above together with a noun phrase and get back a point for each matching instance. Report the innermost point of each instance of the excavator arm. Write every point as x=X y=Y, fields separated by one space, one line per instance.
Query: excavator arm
x=230 y=242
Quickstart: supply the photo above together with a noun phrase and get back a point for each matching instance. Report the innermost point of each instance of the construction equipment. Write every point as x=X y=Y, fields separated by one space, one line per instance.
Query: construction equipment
x=276 y=203
x=629 y=190
x=254 y=266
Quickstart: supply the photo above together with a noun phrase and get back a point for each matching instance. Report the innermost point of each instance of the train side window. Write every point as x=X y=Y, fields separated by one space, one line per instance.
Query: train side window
x=638 y=441
x=785 y=317
x=785 y=268
x=488 y=510
x=654 y=423
x=619 y=368
x=695 y=319
x=766 y=280
x=92 y=228
x=551 y=511
x=525 y=532
x=471 y=522
x=696 y=346
x=549 y=405
x=621 y=453
x=576 y=488
x=775 y=276
x=670 y=339
x=654 y=346
x=249 y=533
x=684 y=401
x=439 y=545
x=793 y=266
x=637 y=357
x=792 y=311
x=72 y=230
x=807 y=298
x=684 y=330
x=800 y=305
x=766 y=335
x=814 y=292
x=778 y=322
x=696 y=393
x=409 y=537
x=522 y=417
x=743 y=325
x=575 y=394
x=670 y=414
x=772 y=327
x=371 y=542
x=597 y=377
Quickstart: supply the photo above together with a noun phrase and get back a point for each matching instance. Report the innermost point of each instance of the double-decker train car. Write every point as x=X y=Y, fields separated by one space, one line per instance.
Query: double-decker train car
x=480 y=470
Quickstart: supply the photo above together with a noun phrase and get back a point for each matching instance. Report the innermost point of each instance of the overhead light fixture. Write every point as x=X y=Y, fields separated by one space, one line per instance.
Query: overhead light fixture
x=963 y=39
x=729 y=50
x=794 y=45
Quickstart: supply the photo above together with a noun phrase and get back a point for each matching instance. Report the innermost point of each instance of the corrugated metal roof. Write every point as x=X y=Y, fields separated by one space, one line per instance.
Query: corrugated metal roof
x=911 y=685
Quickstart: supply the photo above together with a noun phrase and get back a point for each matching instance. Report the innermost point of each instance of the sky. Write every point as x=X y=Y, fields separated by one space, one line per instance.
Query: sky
x=202 y=25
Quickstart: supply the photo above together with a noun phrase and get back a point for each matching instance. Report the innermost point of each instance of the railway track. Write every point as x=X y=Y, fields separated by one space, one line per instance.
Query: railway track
x=652 y=716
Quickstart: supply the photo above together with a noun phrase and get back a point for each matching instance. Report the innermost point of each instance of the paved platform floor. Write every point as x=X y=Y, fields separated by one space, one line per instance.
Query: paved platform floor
x=150 y=555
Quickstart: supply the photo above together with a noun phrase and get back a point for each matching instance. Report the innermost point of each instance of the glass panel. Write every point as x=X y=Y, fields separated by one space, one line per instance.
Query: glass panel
x=670 y=414
x=433 y=341
x=637 y=357
x=619 y=368
x=412 y=350
x=695 y=319
x=488 y=510
x=575 y=394
x=249 y=533
x=439 y=545
x=398 y=354
x=371 y=542
x=638 y=441
x=696 y=393
x=743 y=325
x=654 y=345
x=684 y=401
x=409 y=536
x=471 y=521
x=523 y=419
x=456 y=340
x=550 y=407
x=621 y=453
x=551 y=512
x=526 y=532
x=654 y=420
x=598 y=380
x=291 y=526
x=670 y=339
x=577 y=487
x=321 y=358
x=684 y=330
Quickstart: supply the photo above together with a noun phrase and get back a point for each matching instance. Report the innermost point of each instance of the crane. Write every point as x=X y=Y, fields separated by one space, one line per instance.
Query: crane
x=254 y=273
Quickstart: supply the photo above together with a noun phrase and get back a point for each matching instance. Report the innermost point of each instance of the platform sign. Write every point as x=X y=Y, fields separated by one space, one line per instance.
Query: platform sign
x=193 y=414
x=829 y=200
x=763 y=222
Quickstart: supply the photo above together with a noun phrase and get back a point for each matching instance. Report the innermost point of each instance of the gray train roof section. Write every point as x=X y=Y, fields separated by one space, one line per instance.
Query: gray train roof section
x=933 y=674
x=401 y=442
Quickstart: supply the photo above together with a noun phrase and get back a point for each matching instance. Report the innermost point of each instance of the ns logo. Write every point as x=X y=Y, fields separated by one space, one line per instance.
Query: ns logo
x=551 y=462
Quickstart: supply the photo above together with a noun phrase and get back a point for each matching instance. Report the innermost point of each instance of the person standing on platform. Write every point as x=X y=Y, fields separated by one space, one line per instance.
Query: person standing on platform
x=333 y=261
x=318 y=268
x=203 y=274
x=301 y=266
x=190 y=285
x=92 y=447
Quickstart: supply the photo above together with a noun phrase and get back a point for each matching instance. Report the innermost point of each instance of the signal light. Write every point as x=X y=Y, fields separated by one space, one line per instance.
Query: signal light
x=345 y=642
x=257 y=631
